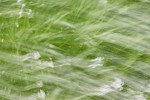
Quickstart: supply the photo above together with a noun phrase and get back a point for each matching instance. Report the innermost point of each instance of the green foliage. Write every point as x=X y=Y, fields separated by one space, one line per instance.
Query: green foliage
x=70 y=49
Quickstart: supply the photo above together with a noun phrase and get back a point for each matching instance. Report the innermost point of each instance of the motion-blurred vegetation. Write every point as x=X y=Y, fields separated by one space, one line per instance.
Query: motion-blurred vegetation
x=74 y=49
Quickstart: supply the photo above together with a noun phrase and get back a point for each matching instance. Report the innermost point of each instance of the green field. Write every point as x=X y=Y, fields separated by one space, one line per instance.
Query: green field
x=74 y=49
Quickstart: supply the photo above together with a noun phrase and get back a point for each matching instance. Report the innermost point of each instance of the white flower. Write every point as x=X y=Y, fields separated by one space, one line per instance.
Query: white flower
x=20 y=13
x=36 y=55
x=29 y=12
x=98 y=59
x=117 y=84
x=104 y=90
x=96 y=62
x=95 y=65
x=23 y=5
x=41 y=94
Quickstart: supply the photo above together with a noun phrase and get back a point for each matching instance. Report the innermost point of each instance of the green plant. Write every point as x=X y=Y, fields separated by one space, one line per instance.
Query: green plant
x=74 y=50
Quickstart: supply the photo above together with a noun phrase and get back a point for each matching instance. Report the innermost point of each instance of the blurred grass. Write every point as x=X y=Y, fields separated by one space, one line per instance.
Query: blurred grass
x=71 y=33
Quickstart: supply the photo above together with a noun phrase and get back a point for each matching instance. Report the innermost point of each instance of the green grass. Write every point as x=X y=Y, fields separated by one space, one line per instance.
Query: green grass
x=89 y=50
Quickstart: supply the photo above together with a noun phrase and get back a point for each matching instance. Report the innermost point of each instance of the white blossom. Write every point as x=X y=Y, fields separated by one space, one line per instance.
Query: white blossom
x=41 y=94
x=36 y=55
x=117 y=85
x=96 y=62
x=20 y=13
x=29 y=12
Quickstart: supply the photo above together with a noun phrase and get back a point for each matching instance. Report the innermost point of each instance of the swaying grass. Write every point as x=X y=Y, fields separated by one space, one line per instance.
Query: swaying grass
x=74 y=50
